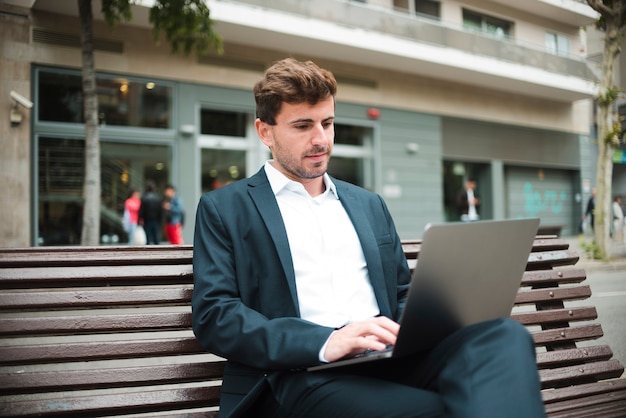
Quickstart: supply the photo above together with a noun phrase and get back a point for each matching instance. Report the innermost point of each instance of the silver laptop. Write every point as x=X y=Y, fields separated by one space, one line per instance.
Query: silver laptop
x=466 y=273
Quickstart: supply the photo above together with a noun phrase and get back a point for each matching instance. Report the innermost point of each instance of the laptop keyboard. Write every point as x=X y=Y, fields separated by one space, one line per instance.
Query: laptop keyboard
x=370 y=352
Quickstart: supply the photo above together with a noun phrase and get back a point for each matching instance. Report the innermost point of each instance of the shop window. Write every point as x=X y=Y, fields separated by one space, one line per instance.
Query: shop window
x=478 y=22
x=225 y=123
x=60 y=176
x=121 y=101
x=221 y=167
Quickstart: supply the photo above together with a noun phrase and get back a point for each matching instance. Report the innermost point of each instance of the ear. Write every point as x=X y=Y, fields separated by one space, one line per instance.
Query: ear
x=264 y=131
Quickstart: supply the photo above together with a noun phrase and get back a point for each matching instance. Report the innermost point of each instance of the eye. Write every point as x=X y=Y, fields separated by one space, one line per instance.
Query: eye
x=327 y=124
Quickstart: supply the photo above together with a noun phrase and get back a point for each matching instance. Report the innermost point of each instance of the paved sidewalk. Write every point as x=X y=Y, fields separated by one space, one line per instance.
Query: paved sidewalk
x=618 y=254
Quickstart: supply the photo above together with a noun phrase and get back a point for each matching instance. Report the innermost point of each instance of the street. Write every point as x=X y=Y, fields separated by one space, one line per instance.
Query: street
x=608 y=289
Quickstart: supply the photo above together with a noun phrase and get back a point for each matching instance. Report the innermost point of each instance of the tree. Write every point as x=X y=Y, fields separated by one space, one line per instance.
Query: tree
x=187 y=27
x=612 y=22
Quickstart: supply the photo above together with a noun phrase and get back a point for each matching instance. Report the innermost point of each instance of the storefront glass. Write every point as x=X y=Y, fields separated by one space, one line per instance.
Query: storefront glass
x=60 y=175
x=121 y=101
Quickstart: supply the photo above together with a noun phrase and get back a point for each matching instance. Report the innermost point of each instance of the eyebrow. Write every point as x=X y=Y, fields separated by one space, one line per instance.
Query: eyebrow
x=296 y=121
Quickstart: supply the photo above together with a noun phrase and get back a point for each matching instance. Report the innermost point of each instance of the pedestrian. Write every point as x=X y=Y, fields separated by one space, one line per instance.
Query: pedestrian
x=590 y=212
x=293 y=268
x=151 y=213
x=618 y=220
x=467 y=202
x=174 y=215
x=131 y=216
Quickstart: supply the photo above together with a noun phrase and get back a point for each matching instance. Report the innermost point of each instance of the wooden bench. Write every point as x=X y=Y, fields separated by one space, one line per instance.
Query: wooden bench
x=105 y=331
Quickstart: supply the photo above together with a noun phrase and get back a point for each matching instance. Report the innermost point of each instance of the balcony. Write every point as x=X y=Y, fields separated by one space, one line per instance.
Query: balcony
x=367 y=35
x=388 y=39
x=572 y=12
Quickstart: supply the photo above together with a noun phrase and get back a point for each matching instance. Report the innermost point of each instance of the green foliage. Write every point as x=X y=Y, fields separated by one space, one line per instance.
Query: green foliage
x=614 y=136
x=186 y=24
x=116 y=11
x=591 y=249
x=610 y=96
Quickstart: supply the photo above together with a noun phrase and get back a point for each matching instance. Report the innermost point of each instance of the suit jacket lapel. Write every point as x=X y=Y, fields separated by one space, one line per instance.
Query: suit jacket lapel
x=370 y=247
x=263 y=197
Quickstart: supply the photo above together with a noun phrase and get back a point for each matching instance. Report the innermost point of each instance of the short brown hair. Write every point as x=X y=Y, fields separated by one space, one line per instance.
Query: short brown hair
x=291 y=81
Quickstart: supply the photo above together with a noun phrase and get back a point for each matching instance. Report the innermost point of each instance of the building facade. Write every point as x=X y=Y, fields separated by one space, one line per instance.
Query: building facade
x=431 y=93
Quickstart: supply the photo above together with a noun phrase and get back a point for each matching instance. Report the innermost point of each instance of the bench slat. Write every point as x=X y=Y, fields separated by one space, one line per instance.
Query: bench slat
x=562 y=335
x=98 y=350
x=97 y=323
x=603 y=405
x=89 y=298
x=61 y=380
x=30 y=276
x=550 y=259
x=552 y=277
x=110 y=404
x=95 y=256
x=551 y=316
x=572 y=392
x=573 y=355
x=552 y=294
x=587 y=372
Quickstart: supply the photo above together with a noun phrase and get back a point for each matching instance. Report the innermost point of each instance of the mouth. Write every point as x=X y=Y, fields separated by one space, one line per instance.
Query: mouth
x=317 y=154
x=316 y=158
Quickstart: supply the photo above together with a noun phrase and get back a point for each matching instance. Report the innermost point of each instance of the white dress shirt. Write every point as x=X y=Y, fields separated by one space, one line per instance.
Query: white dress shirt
x=332 y=279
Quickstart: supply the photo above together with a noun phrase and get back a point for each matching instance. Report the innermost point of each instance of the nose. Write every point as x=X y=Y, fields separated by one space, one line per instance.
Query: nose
x=319 y=135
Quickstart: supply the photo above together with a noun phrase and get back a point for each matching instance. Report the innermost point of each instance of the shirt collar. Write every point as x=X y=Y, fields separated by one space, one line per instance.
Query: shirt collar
x=279 y=182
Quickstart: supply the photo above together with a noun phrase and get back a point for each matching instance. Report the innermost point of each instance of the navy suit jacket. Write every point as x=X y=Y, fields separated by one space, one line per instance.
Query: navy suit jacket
x=245 y=303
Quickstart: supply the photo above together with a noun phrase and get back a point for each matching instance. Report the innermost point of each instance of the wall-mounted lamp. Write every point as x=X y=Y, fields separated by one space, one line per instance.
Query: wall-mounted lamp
x=187 y=130
x=16 y=116
x=412 y=148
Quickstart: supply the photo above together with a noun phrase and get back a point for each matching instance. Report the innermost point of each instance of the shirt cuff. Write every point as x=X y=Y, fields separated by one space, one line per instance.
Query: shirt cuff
x=323 y=349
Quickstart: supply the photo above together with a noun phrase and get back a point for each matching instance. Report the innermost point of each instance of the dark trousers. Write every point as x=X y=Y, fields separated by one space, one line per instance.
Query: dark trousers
x=153 y=232
x=485 y=370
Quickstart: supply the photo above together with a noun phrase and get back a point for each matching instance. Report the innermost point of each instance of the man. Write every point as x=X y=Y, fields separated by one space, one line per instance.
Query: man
x=151 y=213
x=467 y=202
x=591 y=210
x=293 y=268
x=618 y=220
x=174 y=215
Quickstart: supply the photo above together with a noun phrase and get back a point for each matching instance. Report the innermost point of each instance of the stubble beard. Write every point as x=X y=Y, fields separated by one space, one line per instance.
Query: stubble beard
x=292 y=166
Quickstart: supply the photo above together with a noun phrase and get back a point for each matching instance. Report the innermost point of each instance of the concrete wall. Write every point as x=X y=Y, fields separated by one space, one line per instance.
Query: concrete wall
x=14 y=140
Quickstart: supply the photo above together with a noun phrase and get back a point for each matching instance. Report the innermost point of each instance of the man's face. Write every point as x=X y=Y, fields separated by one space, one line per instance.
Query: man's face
x=302 y=139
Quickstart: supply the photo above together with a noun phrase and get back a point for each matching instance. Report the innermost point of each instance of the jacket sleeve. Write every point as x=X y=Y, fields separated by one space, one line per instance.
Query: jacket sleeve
x=241 y=306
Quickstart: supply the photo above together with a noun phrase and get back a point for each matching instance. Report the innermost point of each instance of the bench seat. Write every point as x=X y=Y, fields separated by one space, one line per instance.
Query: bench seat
x=106 y=331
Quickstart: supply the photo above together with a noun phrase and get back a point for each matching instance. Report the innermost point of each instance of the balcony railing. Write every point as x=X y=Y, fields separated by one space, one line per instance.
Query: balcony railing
x=430 y=31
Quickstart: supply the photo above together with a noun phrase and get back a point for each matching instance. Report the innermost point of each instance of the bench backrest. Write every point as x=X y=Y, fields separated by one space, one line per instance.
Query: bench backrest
x=107 y=330
x=101 y=329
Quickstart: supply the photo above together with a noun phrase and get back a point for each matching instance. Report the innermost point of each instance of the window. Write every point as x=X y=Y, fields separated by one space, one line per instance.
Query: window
x=224 y=147
x=216 y=122
x=352 y=155
x=428 y=8
x=121 y=101
x=61 y=172
x=494 y=26
x=557 y=44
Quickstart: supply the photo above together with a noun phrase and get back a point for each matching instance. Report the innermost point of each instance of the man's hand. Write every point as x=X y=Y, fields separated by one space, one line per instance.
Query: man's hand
x=373 y=334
